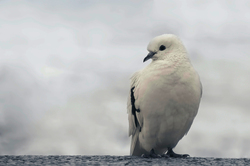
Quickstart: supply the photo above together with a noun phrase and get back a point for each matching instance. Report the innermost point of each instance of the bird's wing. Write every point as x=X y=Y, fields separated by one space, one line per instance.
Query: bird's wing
x=134 y=116
x=132 y=110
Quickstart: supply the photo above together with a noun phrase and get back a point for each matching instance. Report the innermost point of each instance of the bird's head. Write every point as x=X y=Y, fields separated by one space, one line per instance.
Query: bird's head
x=162 y=46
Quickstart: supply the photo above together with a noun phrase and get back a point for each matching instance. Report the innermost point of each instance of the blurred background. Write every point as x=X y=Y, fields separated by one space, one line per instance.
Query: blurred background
x=65 y=67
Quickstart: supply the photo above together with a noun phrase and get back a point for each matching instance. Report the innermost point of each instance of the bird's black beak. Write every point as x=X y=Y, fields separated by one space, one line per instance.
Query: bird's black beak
x=149 y=56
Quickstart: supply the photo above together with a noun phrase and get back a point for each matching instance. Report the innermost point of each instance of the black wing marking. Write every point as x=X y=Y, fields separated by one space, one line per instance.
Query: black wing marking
x=134 y=110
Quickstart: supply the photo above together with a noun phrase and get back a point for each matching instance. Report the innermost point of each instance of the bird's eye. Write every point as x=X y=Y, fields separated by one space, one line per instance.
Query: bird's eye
x=162 y=47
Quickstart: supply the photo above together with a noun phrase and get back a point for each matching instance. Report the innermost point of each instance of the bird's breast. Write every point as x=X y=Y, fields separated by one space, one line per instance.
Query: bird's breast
x=168 y=104
x=161 y=87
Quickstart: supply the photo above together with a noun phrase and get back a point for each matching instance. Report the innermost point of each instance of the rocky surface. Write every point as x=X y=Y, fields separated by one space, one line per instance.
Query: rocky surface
x=116 y=160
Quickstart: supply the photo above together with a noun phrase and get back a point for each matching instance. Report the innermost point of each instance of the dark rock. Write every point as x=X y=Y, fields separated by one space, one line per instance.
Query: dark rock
x=117 y=160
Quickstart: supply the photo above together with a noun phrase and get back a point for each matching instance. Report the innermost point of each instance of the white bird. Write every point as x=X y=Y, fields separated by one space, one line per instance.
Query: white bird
x=164 y=99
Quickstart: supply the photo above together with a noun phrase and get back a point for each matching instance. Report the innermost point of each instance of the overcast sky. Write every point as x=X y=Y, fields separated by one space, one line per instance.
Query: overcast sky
x=65 y=69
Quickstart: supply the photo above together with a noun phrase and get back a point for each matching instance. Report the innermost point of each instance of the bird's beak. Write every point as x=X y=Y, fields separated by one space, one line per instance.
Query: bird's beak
x=149 y=56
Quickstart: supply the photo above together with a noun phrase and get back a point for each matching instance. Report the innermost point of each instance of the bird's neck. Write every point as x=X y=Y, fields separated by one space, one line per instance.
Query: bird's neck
x=173 y=60
x=171 y=66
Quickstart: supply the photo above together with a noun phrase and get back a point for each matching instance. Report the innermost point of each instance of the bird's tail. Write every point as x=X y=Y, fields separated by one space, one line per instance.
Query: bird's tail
x=135 y=148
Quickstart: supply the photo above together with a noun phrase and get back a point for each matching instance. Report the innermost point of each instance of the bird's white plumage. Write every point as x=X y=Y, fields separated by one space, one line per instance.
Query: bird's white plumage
x=164 y=98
